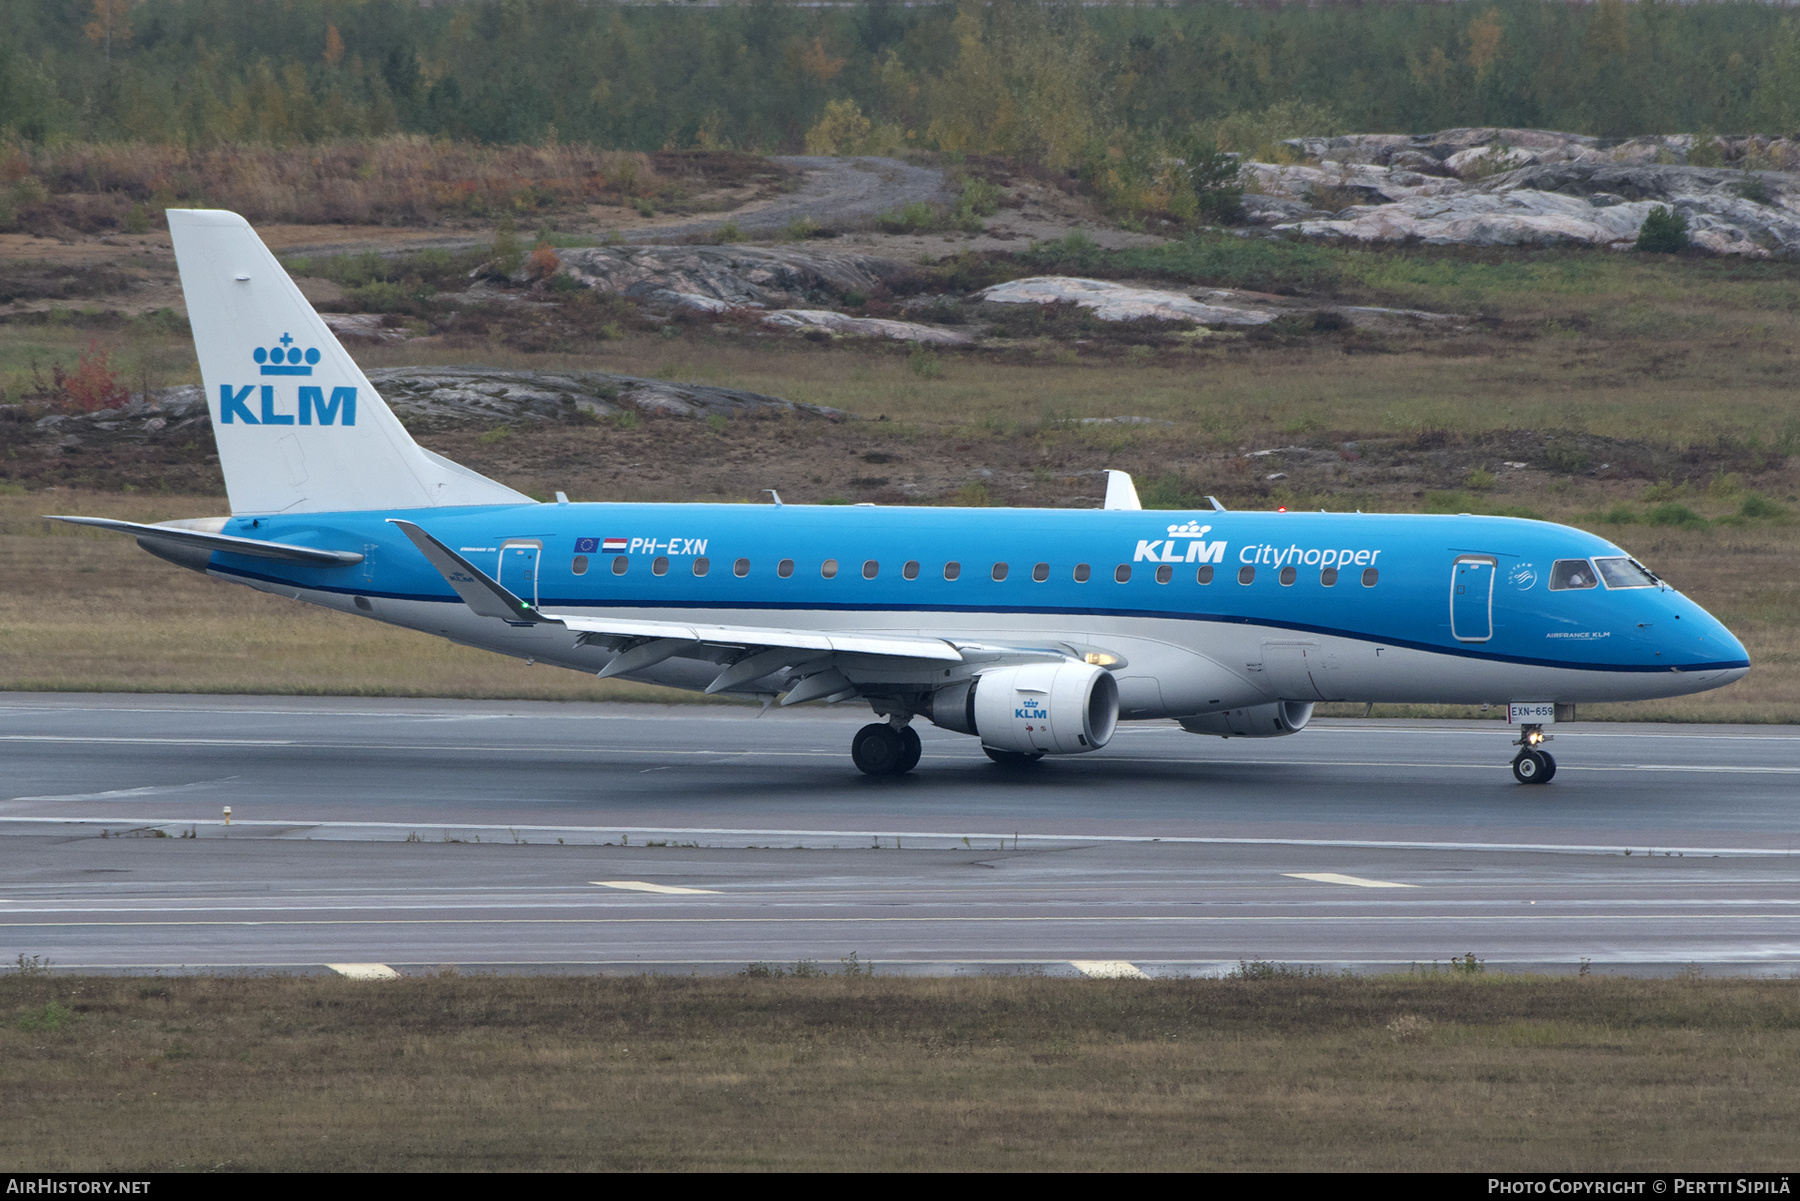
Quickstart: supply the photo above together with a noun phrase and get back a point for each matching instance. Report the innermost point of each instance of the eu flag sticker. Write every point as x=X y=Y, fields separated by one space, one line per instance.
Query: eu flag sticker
x=586 y=546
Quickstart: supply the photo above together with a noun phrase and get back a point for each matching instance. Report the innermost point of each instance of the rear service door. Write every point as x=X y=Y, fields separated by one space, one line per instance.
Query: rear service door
x=519 y=567
x=1472 y=598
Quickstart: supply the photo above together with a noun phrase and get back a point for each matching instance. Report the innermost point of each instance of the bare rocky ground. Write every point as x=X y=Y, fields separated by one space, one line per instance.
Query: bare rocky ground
x=608 y=436
x=604 y=436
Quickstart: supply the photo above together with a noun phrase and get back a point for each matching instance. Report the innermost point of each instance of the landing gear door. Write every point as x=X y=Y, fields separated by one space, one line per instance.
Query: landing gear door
x=519 y=564
x=1472 y=598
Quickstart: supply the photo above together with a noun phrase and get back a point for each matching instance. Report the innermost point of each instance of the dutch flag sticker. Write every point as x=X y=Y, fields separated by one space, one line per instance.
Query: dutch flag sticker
x=615 y=546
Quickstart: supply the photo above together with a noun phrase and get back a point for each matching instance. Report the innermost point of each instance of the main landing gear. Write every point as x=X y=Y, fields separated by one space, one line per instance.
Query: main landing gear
x=1533 y=766
x=881 y=749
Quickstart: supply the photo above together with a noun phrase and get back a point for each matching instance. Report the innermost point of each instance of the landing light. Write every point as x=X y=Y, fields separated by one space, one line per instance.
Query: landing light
x=1100 y=659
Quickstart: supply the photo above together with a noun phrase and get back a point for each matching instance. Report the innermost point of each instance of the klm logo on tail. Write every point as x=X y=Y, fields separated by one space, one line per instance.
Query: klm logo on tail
x=286 y=359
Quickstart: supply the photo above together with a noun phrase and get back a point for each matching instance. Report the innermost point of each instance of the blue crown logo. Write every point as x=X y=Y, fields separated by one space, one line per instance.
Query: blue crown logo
x=286 y=359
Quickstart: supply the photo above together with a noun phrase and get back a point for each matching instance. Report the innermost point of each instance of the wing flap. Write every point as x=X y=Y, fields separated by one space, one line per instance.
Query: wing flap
x=228 y=543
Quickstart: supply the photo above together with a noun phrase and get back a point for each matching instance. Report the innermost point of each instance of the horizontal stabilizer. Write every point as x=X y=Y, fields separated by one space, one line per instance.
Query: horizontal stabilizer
x=227 y=543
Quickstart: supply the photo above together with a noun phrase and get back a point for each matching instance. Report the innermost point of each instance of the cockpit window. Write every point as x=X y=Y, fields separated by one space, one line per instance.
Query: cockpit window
x=1572 y=573
x=1626 y=573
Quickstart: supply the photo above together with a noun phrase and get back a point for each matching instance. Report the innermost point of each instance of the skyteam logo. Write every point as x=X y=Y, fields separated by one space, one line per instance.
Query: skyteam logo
x=1169 y=551
x=310 y=401
x=286 y=359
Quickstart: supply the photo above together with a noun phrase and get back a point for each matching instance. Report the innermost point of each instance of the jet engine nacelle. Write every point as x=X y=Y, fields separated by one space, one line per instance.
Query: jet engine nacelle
x=1257 y=721
x=1037 y=709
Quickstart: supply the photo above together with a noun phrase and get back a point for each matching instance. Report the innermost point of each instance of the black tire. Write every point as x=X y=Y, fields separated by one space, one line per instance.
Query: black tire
x=1549 y=767
x=1529 y=768
x=910 y=750
x=878 y=749
x=1011 y=758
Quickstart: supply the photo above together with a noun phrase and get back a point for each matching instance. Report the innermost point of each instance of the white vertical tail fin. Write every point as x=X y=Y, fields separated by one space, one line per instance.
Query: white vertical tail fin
x=300 y=428
x=1121 y=493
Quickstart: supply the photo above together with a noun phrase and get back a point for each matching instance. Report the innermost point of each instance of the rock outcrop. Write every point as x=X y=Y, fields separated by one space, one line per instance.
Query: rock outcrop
x=1208 y=306
x=493 y=394
x=719 y=277
x=866 y=327
x=1120 y=302
x=1491 y=187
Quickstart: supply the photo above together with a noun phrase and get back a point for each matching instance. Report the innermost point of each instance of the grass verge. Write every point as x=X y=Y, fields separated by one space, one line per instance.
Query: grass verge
x=1443 y=1072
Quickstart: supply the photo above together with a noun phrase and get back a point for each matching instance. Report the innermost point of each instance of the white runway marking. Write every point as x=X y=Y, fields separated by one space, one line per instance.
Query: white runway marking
x=1009 y=840
x=156 y=741
x=1354 y=881
x=1107 y=969
x=365 y=971
x=641 y=886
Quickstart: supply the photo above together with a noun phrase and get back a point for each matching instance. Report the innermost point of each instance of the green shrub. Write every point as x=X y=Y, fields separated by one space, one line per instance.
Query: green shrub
x=1620 y=515
x=1758 y=505
x=1753 y=189
x=1213 y=174
x=1565 y=458
x=917 y=217
x=1664 y=231
x=1672 y=514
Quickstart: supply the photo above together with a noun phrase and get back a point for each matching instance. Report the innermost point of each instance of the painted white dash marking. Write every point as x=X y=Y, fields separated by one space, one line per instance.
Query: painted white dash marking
x=641 y=886
x=1353 y=881
x=1107 y=969
x=365 y=971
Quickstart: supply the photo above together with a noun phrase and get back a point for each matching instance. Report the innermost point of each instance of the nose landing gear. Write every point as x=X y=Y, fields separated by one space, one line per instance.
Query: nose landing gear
x=882 y=749
x=1532 y=765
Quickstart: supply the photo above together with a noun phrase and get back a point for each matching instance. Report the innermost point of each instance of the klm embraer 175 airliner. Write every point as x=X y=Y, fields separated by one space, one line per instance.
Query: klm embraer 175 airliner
x=1034 y=630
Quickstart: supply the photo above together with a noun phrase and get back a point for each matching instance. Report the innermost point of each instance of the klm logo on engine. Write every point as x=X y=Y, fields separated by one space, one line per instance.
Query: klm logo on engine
x=272 y=408
x=1032 y=711
x=1170 y=551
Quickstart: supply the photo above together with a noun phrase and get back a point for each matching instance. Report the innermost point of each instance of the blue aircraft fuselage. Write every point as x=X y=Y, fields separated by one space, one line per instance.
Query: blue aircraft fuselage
x=1455 y=596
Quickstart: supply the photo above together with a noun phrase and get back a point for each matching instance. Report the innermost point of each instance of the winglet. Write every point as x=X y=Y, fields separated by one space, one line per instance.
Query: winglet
x=481 y=592
x=1121 y=493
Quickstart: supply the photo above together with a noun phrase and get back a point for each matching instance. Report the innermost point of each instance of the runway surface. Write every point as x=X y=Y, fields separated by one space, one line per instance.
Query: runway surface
x=520 y=836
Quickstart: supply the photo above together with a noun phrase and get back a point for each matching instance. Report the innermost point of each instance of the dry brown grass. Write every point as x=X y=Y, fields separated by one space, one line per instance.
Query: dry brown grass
x=401 y=178
x=593 y=1073
x=85 y=611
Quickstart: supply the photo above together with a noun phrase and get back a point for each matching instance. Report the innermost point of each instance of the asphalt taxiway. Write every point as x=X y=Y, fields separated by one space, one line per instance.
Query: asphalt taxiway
x=520 y=836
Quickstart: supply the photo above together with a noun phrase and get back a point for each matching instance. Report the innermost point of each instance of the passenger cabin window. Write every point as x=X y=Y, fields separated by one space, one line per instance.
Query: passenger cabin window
x=702 y=566
x=1164 y=574
x=579 y=566
x=1569 y=574
x=871 y=569
x=1204 y=575
x=741 y=568
x=660 y=565
x=1122 y=572
x=620 y=564
x=1288 y=576
x=952 y=570
x=1041 y=572
x=1370 y=577
x=785 y=568
x=911 y=570
x=1625 y=573
x=999 y=572
x=828 y=569
x=1246 y=574
x=1082 y=572
x=1328 y=577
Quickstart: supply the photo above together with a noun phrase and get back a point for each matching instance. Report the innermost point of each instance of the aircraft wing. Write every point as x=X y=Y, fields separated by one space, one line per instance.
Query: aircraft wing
x=815 y=661
x=255 y=547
